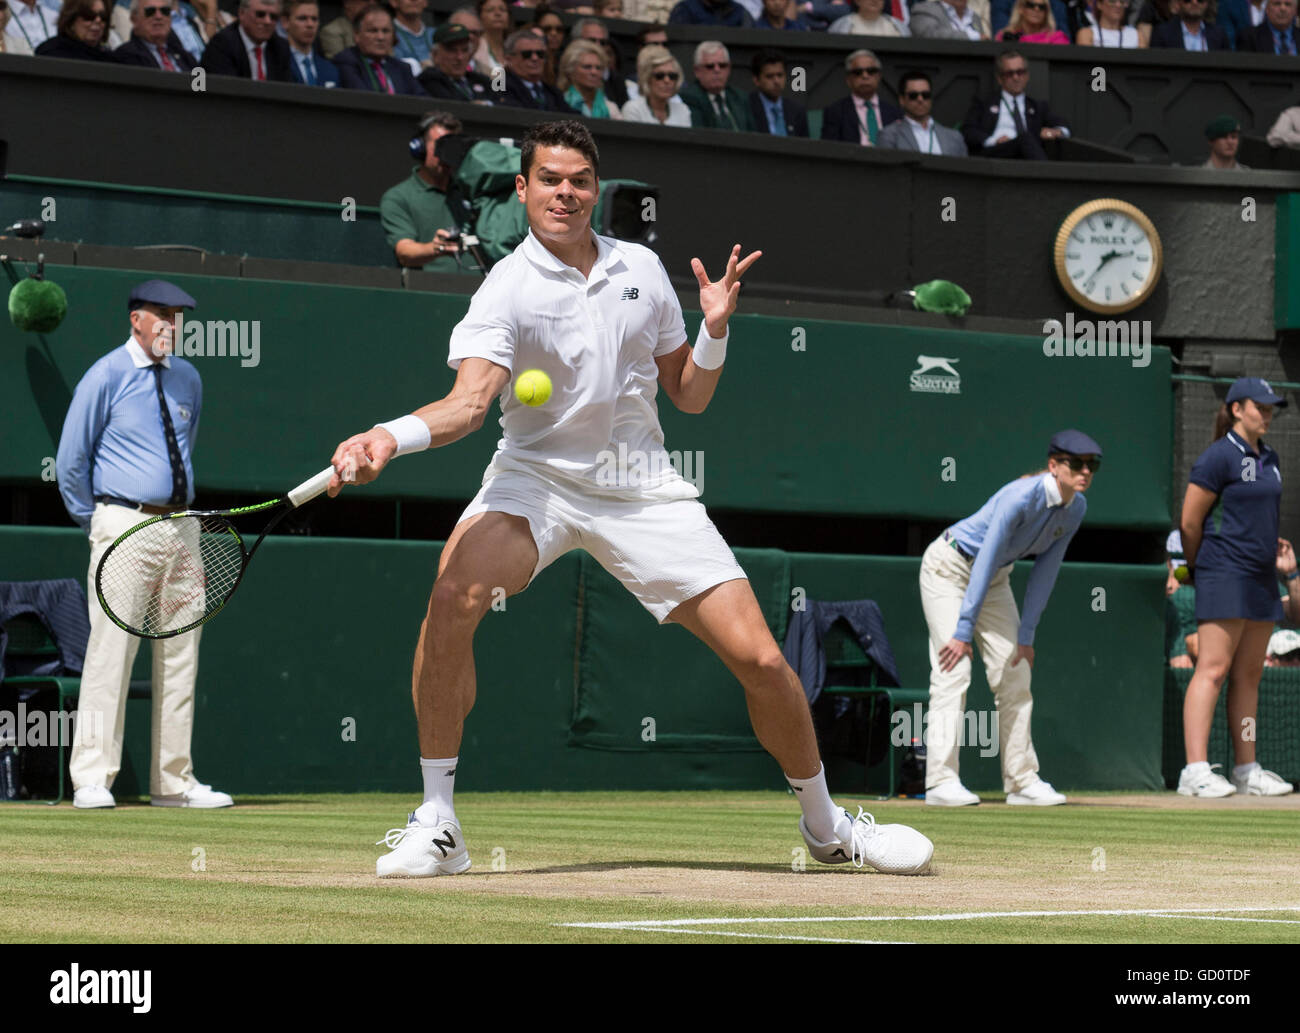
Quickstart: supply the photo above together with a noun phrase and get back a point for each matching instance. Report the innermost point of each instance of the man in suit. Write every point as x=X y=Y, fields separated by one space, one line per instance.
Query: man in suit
x=1239 y=18
x=770 y=112
x=301 y=22
x=1011 y=124
x=338 y=35
x=525 y=88
x=152 y=43
x=1276 y=34
x=714 y=104
x=711 y=12
x=249 y=48
x=916 y=130
x=859 y=117
x=947 y=19
x=1189 y=30
x=370 y=64
x=449 y=78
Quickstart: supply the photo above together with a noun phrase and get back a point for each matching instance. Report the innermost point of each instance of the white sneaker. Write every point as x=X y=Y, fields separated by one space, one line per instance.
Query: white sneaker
x=1262 y=783
x=892 y=849
x=90 y=797
x=1039 y=794
x=1209 y=784
x=423 y=850
x=197 y=795
x=950 y=794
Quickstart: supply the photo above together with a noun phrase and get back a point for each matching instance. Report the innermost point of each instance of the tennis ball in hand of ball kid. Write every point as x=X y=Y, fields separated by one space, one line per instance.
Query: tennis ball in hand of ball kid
x=1181 y=574
x=533 y=387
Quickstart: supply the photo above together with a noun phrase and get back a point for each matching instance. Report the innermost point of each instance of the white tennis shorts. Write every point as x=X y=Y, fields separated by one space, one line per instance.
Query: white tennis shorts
x=663 y=552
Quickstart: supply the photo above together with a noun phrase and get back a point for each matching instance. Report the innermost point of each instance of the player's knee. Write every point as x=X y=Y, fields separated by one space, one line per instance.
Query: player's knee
x=457 y=602
x=769 y=667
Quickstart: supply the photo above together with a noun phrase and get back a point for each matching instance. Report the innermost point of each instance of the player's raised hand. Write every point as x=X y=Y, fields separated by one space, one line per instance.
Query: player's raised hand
x=360 y=458
x=718 y=298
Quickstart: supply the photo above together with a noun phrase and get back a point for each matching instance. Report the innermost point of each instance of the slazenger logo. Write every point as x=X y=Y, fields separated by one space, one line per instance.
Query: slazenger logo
x=945 y=382
x=122 y=986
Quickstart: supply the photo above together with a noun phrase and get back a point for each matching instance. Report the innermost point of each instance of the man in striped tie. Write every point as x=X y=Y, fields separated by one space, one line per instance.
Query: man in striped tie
x=713 y=102
x=370 y=64
x=152 y=44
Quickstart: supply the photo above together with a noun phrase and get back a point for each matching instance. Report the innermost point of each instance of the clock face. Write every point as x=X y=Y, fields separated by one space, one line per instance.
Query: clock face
x=1108 y=256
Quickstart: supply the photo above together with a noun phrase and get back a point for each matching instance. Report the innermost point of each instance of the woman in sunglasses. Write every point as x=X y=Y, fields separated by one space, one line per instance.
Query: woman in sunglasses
x=552 y=28
x=966 y=596
x=1108 y=28
x=659 y=76
x=82 y=32
x=1032 y=22
x=1229 y=526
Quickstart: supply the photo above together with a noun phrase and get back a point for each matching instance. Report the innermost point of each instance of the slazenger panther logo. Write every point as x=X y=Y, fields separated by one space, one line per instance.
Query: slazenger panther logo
x=947 y=381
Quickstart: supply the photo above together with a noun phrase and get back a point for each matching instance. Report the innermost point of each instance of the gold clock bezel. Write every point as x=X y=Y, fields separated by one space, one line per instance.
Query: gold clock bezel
x=1068 y=226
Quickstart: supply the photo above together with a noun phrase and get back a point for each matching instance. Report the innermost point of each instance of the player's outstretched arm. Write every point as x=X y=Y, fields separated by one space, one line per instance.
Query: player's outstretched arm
x=449 y=419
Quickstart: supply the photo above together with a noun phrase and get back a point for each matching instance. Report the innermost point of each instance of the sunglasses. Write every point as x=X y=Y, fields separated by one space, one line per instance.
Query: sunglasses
x=865 y=71
x=717 y=66
x=528 y=55
x=93 y=16
x=1077 y=463
x=1013 y=72
x=918 y=94
x=150 y=12
x=661 y=76
x=1036 y=7
x=264 y=15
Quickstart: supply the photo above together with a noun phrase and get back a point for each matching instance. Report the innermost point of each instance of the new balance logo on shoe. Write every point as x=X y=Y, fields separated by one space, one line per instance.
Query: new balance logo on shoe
x=451 y=773
x=629 y=294
x=445 y=845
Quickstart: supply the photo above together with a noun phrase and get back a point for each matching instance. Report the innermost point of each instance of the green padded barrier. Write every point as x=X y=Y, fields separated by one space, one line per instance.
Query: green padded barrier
x=1286 y=283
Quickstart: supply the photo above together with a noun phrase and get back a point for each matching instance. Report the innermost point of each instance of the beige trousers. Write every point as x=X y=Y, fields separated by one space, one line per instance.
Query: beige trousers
x=97 y=748
x=945 y=573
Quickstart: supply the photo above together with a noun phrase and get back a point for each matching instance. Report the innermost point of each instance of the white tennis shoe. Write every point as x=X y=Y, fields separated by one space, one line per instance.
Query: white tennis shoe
x=419 y=851
x=1208 y=784
x=950 y=794
x=1036 y=794
x=197 y=795
x=892 y=849
x=1261 y=783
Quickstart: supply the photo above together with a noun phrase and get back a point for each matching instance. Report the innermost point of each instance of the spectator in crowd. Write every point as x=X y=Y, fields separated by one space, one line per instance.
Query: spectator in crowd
x=301 y=22
x=1286 y=130
x=917 y=130
x=768 y=109
x=654 y=11
x=11 y=44
x=651 y=36
x=1180 y=607
x=525 y=87
x=997 y=13
x=582 y=78
x=659 y=77
x=337 y=36
x=870 y=20
x=1288 y=572
x=370 y=65
x=552 y=28
x=125 y=454
x=1224 y=134
x=1239 y=18
x=249 y=47
x=152 y=43
x=607 y=8
x=1032 y=22
x=491 y=53
x=1109 y=28
x=1277 y=33
x=713 y=102
x=773 y=16
x=195 y=23
x=30 y=23
x=82 y=30
x=818 y=15
x=1153 y=13
x=593 y=29
x=1189 y=31
x=941 y=19
x=415 y=215
x=450 y=77
x=859 y=117
x=414 y=38
x=726 y=13
x=1230 y=537
x=1011 y=124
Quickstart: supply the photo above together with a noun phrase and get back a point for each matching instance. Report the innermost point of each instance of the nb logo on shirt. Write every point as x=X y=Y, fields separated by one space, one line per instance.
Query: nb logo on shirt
x=629 y=294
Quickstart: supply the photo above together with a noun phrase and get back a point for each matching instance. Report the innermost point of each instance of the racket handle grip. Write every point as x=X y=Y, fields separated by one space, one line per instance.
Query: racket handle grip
x=311 y=487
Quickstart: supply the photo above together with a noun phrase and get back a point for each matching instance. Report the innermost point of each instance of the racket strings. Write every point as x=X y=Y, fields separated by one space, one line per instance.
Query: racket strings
x=170 y=575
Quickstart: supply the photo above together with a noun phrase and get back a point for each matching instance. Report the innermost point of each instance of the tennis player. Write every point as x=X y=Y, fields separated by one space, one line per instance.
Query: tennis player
x=966 y=595
x=1229 y=525
x=600 y=317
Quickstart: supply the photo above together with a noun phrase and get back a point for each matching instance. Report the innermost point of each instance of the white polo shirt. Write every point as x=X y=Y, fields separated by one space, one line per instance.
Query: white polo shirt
x=597 y=339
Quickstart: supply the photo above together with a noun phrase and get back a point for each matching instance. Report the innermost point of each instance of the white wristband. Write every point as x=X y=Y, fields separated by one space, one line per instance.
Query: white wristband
x=709 y=352
x=411 y=432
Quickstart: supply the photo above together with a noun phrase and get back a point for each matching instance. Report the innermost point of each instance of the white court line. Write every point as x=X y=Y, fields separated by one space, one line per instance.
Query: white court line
x=654 y=924
x=757 y=936
x=1219 y=918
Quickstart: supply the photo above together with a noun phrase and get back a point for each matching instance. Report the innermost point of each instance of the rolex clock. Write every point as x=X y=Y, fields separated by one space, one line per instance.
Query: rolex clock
x=1108 y=256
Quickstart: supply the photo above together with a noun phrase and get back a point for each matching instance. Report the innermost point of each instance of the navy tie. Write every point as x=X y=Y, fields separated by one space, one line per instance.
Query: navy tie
x=179 y=481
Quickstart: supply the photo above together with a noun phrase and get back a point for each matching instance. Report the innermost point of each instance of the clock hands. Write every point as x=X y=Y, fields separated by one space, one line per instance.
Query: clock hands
x=1110 y=256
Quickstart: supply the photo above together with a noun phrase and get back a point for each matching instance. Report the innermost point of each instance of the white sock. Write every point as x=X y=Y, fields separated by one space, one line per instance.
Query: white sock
x=439 y=784
x=1201 y=767
x=824 y=820
x=1242 y=770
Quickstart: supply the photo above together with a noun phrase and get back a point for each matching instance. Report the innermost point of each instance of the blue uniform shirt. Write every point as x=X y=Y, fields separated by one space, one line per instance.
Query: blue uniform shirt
x=113 y=441
x=1240 y=531
x=1024 y=518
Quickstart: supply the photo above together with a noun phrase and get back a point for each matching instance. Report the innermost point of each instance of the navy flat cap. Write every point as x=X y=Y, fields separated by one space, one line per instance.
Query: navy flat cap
x=1073 y=442
x=159 y=292
x=1256 y=389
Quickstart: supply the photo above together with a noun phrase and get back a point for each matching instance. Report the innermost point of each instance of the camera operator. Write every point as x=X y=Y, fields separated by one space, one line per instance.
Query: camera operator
x=417 y=220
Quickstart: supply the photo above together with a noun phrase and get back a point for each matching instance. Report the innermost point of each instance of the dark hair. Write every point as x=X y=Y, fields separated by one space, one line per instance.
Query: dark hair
x=448 y=122
x=569 y=133
x=289 y=6
x=366 y=12
x=645 y=31
x=764 y=58
x=480 y=4
x=909 y=76
x=1005 y=56
x=1225 y=417
x=73 y=9
x=541 y=11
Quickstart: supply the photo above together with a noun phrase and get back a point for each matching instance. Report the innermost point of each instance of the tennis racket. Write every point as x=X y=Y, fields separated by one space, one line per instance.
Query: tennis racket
x=169 y=574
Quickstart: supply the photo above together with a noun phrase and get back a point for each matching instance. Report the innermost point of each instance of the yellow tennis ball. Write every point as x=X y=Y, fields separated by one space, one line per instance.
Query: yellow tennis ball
x=1181 y=573
x=533 y=387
